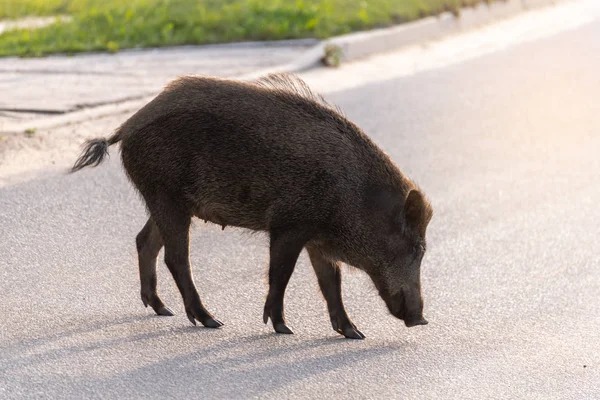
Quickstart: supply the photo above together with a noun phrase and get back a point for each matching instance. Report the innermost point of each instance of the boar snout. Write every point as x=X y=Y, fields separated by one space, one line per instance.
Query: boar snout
x=414 y=322
x=407 y=305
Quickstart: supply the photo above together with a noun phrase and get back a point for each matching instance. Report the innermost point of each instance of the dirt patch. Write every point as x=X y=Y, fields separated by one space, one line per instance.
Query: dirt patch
x=38 y=153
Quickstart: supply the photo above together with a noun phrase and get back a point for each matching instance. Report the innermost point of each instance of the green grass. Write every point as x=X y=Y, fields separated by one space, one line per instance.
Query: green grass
x=110 y=25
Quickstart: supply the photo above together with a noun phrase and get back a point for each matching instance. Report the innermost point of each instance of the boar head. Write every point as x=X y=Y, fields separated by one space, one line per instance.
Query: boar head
x=400 y=244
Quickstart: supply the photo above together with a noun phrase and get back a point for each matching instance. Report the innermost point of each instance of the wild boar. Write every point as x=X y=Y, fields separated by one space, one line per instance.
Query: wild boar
x=270 y=155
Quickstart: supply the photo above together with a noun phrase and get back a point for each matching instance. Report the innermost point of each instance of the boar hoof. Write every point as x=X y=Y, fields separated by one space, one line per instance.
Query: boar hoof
x=348 y=329
x=351 y=333
x=212 y=323
x=166 y=311
x=207 y=321
x=157 y=305
x=282 y=328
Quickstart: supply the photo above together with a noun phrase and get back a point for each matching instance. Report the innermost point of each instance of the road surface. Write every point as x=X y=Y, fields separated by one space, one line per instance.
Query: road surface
x=507 y=148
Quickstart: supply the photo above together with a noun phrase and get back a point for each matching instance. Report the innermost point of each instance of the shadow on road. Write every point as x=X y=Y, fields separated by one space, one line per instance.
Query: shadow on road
x=204 y=359
x=251 y=365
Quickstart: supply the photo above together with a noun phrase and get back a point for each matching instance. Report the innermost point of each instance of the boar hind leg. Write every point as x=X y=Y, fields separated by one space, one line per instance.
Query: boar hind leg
x=149 y=242
x=284 y=251
x=330 y=281
x=174 y=227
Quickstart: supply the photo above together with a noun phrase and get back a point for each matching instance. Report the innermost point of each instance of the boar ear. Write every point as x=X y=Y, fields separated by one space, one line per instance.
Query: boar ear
x=417 y=212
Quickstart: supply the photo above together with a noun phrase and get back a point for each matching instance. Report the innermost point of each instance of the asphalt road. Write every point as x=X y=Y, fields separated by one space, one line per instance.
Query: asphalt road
x=507 y=148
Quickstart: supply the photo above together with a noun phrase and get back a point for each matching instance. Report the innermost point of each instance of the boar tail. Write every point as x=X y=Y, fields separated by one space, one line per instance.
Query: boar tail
x=95 y=151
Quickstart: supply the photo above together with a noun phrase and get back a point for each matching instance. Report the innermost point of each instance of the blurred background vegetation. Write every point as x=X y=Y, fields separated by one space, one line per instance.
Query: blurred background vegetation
x=111 y=25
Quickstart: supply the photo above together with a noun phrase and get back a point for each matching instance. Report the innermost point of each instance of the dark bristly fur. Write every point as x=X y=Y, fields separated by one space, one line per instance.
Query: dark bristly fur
x=273 y=156
x=291 y=85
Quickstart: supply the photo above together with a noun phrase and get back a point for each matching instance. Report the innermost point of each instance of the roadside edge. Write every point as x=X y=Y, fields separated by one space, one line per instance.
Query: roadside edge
x=353 y=46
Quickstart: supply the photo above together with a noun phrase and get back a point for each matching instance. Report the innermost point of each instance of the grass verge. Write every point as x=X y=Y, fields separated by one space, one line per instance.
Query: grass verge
x=110 y=25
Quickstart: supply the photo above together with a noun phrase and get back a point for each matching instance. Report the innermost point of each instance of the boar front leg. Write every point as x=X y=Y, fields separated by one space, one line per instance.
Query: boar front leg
x=284 y=251
x=330 y=281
